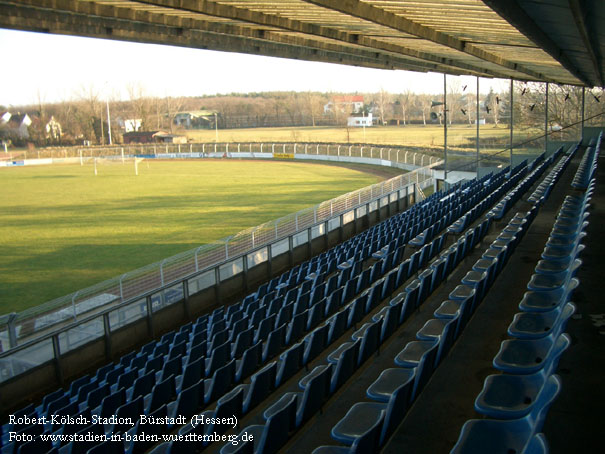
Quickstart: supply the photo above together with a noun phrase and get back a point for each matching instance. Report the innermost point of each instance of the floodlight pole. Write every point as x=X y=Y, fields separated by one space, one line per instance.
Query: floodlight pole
x=108 y=121
x=445 y=129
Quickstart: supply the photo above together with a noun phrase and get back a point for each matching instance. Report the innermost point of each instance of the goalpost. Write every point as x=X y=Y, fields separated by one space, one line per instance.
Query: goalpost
x=99 y=163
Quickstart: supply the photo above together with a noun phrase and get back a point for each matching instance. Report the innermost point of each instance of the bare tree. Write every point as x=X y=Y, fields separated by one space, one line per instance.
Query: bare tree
x=141 y=104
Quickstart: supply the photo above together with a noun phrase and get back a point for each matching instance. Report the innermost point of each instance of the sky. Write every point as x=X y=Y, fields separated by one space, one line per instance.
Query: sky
x=53 y=68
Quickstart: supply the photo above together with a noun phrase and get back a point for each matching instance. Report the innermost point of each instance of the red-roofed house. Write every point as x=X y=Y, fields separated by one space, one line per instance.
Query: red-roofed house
x=348 y=104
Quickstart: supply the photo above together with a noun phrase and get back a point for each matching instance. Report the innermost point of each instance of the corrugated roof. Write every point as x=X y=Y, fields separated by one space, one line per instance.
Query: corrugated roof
x=550 y=40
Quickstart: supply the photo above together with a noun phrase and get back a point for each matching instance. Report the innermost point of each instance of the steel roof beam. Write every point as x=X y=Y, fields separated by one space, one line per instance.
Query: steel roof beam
x=225 y=11
x=379 y=16
x=510 y=11
x=579 y=15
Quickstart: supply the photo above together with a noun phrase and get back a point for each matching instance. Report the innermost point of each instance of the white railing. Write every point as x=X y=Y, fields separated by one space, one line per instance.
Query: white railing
x=23 y=327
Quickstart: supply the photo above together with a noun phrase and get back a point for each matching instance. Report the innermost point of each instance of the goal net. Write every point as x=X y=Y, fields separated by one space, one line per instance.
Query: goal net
x=111 y=164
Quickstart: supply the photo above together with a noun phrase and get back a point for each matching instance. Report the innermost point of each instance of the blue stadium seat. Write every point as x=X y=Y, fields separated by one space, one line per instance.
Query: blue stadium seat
x=366 y=443
x=527 y=356
x=533 y=325
x=509 y=396
x=307 y=403
x=290 y=363
x=506 y=436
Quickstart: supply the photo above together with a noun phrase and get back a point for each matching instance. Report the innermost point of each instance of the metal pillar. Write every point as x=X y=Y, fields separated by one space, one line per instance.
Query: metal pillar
x=583 y=108
x=477 y=121
x=511 y=124
x=546 y=120
x=445 y=129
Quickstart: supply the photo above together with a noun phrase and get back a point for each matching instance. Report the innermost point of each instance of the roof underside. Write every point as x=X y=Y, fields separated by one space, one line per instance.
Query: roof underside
x=558 y=41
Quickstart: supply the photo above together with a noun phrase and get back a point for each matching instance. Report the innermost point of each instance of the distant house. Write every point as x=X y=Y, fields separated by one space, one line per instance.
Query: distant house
x=195 y=119
x=5 y=117
x=132 y=124
x=140 y=136
x=169 y=138
x=345 y=104
x=358 y=122
x=18 y=125
x=53 y=129
x=153 y=137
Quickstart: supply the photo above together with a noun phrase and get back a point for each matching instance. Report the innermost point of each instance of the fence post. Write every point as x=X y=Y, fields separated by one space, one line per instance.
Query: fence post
x=295 y=147
x=273 y=148
x=197 y=266
x=122 y=287
x=283 y=148
x=361 y=152
x=162 y=272
x=315 y=214
x=107 y=332
x=381 y=152
x=296 y=221
x=306 y=147
x=350 y=146
x=317 y=149
x=414 y=159
x=203 y=149
x=227 y=148
x=73 y=303
x=57 y=355
x=12 y=330
x=261 y=147
x=422 y=161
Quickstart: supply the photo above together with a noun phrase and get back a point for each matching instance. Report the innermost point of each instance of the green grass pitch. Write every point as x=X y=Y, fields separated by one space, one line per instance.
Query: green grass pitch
x=63 y=228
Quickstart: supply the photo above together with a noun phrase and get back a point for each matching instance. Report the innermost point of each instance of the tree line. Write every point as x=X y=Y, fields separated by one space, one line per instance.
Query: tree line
x=83 y=119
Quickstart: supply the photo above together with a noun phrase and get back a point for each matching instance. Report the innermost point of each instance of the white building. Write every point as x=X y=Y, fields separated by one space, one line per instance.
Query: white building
x=358 y=122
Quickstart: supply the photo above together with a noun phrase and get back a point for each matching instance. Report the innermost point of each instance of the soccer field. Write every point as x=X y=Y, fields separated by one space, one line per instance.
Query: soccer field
x=63 y=228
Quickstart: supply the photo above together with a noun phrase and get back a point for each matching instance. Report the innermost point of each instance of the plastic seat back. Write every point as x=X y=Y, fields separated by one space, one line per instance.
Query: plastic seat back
x=249 y=362
x=261 y=385
x=314 y=396
x=370 y=342
x=163 y=392
x=315 y=342
x=277 y=429
x=220 y=382
x=346 y=366
x=290 y=363
x=219 y=357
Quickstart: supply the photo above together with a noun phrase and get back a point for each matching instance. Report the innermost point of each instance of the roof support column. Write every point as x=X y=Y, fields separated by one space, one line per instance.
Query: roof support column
x=512 y=119
x=477 y=121
x=445 y=130
x=583 y=113
x=546 y=120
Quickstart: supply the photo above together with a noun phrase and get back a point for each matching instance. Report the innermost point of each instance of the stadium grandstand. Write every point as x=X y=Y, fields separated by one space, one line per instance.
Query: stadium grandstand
x=468 y=321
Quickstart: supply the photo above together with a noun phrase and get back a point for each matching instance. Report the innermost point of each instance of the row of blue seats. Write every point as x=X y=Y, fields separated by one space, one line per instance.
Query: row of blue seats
x=108 y=370
x=587 y=166
x=516 y=402
x=543 y=190
x=367 y=425
x=364 y=341
x=375 y=290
